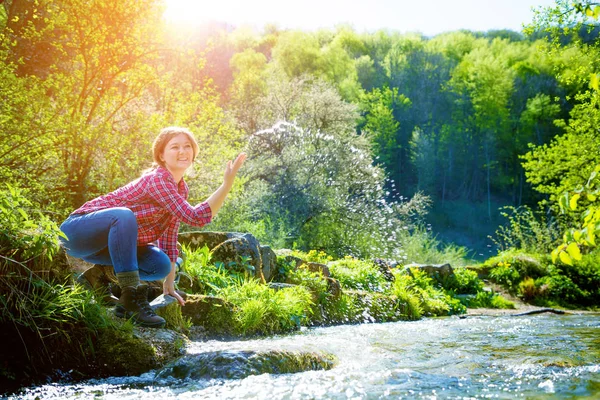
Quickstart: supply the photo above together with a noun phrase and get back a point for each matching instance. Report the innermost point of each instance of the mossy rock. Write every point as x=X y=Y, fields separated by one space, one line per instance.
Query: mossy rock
x=197 y=240
x=213 y=313
x=168 y=307
x=240 y=364
x=234 y=253
x=123 y=352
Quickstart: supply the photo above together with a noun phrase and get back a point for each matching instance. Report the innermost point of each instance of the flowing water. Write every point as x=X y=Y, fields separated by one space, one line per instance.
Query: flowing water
x=544 y=356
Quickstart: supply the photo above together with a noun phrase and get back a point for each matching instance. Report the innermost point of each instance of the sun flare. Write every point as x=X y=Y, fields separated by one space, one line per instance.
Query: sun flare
x=234 y=12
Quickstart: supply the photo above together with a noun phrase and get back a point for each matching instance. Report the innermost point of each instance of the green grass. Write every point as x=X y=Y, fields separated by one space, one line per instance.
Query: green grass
x=353 y=273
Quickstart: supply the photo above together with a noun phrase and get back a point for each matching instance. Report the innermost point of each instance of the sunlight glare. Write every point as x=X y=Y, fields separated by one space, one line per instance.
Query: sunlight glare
x=196 y=12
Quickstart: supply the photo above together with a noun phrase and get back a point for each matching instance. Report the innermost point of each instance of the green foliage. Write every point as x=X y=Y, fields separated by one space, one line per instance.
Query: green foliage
x=203 y=277
x=464 y=281
x=527 y=231
x=426 y=299
x=260 y=309
x=506 y=275
x=313 y=256
x=27 y=234
x=342 y=310
x=487 y=300
x=585 y=235
x=353 y=273
x=421 y=246
x=313 y=281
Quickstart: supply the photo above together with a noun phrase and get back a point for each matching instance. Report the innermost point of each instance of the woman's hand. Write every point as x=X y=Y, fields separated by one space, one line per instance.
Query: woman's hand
x=169 y=286
x=232 y=169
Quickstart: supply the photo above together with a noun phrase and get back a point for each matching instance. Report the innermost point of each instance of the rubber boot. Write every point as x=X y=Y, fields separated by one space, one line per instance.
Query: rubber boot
x=133 y=304
x=98 y=279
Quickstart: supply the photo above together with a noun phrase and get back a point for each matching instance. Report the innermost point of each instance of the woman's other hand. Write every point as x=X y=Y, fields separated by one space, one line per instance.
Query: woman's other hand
x=169 y=286
x=232 y=169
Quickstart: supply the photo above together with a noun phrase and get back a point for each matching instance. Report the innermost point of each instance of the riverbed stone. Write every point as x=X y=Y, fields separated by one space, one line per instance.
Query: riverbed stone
x=236 y=364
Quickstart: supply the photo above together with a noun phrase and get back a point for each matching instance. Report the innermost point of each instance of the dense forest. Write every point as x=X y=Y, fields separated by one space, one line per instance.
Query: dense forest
x=367 y=153
x=354 y=139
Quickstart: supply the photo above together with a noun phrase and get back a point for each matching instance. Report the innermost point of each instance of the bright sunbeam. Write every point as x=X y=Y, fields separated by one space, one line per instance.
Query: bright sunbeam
x=194 y=12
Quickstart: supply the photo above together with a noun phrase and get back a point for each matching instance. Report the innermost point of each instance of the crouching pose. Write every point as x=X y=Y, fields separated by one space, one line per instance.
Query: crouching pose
x=134 y=229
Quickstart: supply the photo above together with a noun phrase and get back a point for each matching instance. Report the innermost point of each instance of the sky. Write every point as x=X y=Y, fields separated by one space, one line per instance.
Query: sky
x=429 y=17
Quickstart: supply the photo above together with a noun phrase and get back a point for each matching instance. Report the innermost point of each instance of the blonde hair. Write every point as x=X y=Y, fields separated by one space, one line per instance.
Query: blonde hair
x=163 y=138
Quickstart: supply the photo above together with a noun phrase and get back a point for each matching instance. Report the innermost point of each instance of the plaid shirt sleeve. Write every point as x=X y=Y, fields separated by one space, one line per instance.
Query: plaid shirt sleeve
x=164 y=191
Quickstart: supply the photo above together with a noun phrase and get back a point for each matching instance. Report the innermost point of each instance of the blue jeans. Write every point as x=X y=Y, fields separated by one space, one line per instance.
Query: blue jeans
x=109 y=237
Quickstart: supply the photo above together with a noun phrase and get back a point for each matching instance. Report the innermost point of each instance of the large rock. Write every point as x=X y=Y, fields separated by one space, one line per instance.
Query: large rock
x=239 y=364
x=269 y=262
x=433 y=270
x=238 y=253
x=197 y=240
x=233 y=249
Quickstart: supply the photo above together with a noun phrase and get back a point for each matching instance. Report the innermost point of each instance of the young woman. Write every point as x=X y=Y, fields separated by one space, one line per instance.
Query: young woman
x=135 y=228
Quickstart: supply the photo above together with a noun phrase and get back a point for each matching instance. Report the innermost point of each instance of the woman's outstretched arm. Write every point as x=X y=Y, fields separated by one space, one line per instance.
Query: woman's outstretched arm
x=215 y=201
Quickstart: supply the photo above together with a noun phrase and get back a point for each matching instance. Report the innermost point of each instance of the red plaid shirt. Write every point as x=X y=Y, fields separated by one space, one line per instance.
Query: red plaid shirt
x=159 y=205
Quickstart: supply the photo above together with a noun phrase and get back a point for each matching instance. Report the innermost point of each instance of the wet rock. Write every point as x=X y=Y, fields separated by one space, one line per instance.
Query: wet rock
x=269 y=262
x=168 y=307
x=240 y=364
x=433 y=270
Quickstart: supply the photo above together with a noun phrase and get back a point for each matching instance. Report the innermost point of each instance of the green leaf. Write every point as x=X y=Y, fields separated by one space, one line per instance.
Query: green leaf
x=573 y=201
x=555 y=255
x=592 y=197
x=591 y=237
x=565 y=258
x=594 y=82
x=574 y=252
x=563 y=201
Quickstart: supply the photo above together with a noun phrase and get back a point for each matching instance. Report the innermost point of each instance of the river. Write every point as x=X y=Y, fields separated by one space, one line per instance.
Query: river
x=543 y=356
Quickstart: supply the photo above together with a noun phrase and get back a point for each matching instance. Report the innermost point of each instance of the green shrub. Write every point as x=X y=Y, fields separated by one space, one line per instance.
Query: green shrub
x=506 y=275
x=463 y=281
x=313 y=281
x=528 y=290
x=353 y=273
x=527 y=231
x=431 y=301
x=487 y=300
x=201 y=276
x=259 y=309
x=313 y=256
x=560 y=289
x=421 y=246
x=342 y=310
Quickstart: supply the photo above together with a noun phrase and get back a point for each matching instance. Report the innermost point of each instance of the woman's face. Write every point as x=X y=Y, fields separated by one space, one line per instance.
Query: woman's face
x=178 y=153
